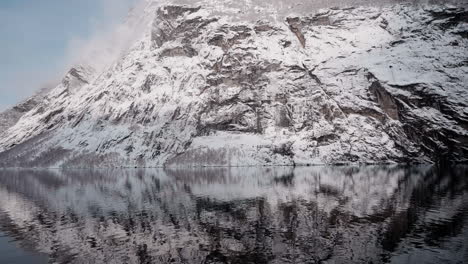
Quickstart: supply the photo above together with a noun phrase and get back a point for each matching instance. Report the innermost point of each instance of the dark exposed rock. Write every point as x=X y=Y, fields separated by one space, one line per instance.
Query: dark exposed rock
x=179 y=51
x=240 y=33
x=383 y=98
x=149 y=83
x=169 y=25
x=442 y=143
x=53 y=114
x=295 y=26
x=284 y=149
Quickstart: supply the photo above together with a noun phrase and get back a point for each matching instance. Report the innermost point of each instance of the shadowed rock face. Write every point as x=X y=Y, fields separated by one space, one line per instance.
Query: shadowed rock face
x=386 y=214
x=205 y=88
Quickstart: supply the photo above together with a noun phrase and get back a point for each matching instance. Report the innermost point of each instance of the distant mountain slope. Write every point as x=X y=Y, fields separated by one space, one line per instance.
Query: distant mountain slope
x=201 y=87
x=10 y=116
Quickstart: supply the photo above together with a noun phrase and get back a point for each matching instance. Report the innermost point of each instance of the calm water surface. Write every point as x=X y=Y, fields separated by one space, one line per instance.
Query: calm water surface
x=375 y=214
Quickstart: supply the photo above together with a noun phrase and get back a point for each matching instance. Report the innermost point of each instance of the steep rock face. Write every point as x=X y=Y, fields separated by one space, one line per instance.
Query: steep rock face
x=199 y=88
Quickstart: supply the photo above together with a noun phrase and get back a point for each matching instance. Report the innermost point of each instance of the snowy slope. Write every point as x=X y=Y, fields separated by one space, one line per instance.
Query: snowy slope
x=10 y=116
x=215 y=85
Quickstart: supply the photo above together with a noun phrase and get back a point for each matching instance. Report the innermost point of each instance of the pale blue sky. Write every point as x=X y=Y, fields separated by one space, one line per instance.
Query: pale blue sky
x=36 y=38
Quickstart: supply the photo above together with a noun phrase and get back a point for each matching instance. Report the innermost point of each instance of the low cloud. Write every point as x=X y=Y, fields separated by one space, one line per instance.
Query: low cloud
x=111 y=35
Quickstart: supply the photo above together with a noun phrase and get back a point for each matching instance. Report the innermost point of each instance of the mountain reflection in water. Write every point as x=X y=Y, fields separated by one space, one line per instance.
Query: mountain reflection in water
x=369 y=214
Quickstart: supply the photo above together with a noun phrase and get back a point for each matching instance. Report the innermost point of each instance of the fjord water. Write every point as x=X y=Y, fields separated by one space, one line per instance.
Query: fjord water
x=362 y=214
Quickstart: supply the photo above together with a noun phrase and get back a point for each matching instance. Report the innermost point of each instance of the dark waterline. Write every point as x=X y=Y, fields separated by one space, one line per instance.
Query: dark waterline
x=12 y=253
x=368 y=214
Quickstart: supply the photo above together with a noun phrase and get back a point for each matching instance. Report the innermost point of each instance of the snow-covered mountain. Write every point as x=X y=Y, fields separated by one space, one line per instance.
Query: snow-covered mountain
x=237 y=83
